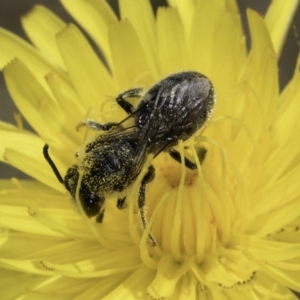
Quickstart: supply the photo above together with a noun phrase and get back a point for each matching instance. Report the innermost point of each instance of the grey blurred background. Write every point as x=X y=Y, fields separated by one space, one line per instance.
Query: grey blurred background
x=10 y=12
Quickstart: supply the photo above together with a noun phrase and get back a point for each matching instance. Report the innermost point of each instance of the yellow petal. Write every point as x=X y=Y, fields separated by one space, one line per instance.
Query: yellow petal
x=129 y=60
x=89 y=76
x=28 y=158
x=30 y=201
x=289 y=234
x=268 y=250
x=285 y=161
x=290 y=265
x=186 y=12
x=25 y=223
x=112 y=262
x=261 y=73
x=12 y=46
x=69 y=103
x=58 y=253
x=26 y=282
x=141 y=17
x=9 y=127
x=107 y=284
x=269 y=288
x=135 y=284
x=278 y=219
x=171 y=41
x=210 y=46
x=286 y=122
x=278 y=20
x=168 y=274
x=268 y=199
x=35 y=103
x=60 y=288
x=289 y=279
x=41 y=26
x=24 y=266
x=95 y=16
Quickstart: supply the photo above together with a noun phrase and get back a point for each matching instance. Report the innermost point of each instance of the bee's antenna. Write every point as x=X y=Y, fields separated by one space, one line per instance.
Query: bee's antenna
x=51 y=163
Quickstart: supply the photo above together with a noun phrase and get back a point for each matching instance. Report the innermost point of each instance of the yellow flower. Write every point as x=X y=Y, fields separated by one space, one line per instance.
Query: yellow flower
x=227 y=231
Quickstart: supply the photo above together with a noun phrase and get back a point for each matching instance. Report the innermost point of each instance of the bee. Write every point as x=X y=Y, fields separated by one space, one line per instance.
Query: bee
x=107 y=167
x=172 y=110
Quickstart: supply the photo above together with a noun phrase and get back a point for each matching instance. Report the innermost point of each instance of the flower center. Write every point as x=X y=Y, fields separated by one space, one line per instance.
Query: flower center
x=170 y=170
x=192 y=223
x=177 y=190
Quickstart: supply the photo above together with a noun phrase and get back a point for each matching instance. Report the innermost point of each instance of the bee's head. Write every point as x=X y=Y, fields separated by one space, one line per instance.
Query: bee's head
x=89 y=199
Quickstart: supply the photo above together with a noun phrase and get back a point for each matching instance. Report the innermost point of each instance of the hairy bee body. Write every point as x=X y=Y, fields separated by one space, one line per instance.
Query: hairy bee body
x=172 y=110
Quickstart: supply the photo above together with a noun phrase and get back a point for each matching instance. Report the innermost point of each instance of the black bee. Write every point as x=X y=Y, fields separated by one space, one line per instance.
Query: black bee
x=172 y=110
x=108 y=166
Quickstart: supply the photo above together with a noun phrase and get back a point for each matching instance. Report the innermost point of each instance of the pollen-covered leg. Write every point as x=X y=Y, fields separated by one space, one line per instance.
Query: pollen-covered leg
x=141 y=199
x=201 y=153
x=96 y=126
x=94 y=207
x=132 y=93
x=100 y=216
x=121 y=203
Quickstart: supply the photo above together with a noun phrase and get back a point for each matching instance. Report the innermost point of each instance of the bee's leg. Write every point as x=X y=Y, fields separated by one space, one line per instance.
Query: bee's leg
x=201 y=153
x=121 y=203
x=149 y=176
x=100 y=216
x=96 y=126
x=176 y=155
x=97 y=209
x=128 y=107
x=52 y=164
x=92 y=204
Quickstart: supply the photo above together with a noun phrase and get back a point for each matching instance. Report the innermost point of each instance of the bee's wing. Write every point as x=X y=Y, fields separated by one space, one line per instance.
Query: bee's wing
x=159 y=124
x=170 y=120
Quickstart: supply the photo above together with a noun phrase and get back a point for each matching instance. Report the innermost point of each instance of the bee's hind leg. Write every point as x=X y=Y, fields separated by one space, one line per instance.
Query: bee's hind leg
x=141 y=200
